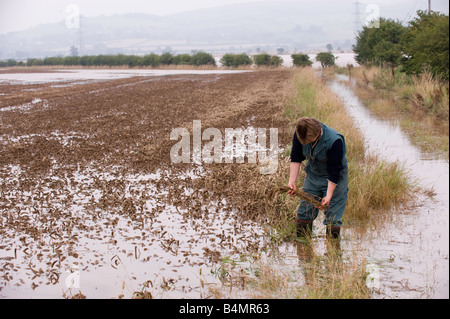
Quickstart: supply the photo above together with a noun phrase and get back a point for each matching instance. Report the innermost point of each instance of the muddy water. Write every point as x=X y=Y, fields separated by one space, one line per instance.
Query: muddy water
x=156 y=247
x=95 y=227
x=411 y=254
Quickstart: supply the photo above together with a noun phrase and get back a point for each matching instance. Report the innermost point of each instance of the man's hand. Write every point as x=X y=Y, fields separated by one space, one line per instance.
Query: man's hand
x=330 y=191
x=326 y=200
x=293 y=188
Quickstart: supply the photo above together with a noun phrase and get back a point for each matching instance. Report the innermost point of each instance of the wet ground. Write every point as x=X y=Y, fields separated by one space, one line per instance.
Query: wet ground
x=90 y=200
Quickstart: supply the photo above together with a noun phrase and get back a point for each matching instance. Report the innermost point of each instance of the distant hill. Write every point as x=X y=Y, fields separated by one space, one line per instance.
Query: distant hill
x=239 y=27
x=258 y=26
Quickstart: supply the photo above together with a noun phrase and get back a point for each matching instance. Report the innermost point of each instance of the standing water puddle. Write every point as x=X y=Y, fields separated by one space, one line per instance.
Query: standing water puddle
x=411 y=254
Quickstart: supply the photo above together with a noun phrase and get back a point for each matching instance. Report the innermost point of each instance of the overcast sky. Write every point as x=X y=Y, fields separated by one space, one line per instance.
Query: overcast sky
x=21 y=14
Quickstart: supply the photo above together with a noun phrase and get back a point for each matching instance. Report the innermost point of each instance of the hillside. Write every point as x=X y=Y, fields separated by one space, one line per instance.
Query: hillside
x=258 y=26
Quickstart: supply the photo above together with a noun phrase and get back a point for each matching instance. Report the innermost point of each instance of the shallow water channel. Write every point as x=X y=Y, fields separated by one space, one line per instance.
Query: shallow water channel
x=411 y=253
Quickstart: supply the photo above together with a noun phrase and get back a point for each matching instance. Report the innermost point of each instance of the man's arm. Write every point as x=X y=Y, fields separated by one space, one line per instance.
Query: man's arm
x=334 y=154
x=294 y=169
x=296 y=158
x=330 y=191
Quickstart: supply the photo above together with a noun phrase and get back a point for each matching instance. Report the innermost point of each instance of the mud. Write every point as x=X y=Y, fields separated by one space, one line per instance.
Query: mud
x=91 y=204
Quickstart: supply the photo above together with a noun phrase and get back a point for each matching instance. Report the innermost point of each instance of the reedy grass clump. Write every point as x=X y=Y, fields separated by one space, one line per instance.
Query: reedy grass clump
x=320 y=276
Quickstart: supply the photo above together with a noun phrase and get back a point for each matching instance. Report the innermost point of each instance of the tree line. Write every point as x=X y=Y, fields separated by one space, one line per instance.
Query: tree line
x=200 y=58
x=154 y=60
x=421 y=45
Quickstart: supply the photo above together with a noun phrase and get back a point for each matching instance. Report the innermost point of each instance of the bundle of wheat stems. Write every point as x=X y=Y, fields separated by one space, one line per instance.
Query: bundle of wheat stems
x=310 y=198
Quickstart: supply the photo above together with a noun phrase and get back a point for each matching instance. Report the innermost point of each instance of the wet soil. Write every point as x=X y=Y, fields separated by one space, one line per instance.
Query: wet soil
x=90 y=201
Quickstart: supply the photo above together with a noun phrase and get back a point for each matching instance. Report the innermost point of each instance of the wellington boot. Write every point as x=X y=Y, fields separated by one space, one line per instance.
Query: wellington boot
x=333 y=232
x=304 y=228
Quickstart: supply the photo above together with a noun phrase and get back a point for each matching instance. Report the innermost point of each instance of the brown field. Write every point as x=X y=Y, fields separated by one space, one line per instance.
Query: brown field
x=86 y=181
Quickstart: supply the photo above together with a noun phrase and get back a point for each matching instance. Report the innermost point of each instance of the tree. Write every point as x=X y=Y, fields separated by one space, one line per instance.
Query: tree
x=33 y=62
x=265 y=59
x=301 y=60
x=166 y=58
x=71 y=60
x=242 y=59
x=425 y=44
x=151 y=59
x=261 y=59
x=11 y=62
x=388 y=54
x=275 y=61
x=235 y=60
x=182 y=59
x=203 y=58
x=326 y=59
x=227 y=60
x=329 y=47
x=380 y=46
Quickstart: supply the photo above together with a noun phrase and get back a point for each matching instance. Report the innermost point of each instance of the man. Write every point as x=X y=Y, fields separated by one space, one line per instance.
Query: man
x=326 y=174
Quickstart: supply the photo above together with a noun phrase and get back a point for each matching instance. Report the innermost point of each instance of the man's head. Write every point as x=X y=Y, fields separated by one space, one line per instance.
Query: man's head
x=308 y=130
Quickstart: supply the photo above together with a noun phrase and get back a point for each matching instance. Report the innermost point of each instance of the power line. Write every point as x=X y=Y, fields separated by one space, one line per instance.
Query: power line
x=412 y=10
x=80 y=34
x=358 y=15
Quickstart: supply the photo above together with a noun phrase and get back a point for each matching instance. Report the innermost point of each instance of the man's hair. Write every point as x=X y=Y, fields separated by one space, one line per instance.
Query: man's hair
x=308 y=129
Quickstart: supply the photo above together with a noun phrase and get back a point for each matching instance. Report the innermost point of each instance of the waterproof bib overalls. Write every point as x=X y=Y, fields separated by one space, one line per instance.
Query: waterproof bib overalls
x=316 y=181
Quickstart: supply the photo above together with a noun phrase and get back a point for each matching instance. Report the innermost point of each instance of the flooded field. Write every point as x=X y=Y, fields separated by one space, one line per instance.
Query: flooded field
x=90 y=200
x=89 y=75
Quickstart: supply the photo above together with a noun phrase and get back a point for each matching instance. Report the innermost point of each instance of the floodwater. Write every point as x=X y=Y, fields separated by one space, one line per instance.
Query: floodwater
x=166 y=251
x=63 y=235
x=83 y=76
x=176 y=257
x=411 y=253
x=342 y=60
